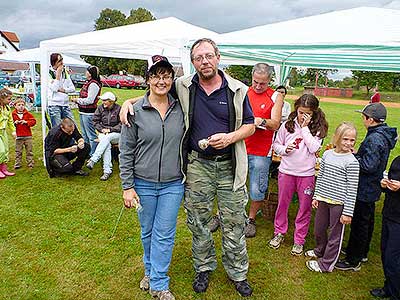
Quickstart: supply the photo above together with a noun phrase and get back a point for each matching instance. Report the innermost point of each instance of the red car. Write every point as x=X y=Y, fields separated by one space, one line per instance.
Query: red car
x=119 y=81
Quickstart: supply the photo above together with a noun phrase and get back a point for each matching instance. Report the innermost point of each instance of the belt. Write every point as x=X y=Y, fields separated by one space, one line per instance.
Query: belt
x=222 y=157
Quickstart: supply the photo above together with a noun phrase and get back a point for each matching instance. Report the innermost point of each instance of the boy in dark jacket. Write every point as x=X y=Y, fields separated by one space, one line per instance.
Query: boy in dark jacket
x=23 y=121
x=107 y=123
x=372 y=156
x=390 y=238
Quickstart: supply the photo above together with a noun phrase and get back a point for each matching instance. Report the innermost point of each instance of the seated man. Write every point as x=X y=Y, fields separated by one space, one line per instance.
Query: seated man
x=63 y=143
x=107 y=123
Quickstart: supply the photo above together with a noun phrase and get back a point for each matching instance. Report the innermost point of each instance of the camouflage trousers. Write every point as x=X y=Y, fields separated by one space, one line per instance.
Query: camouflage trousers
x=207 y=180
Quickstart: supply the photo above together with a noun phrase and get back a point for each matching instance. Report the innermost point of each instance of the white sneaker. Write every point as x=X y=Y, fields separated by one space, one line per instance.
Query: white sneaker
x=313 y=265
x=162 y=295
x=297 y=249
x=310 y=254
x=145 y=283
x=276 y=241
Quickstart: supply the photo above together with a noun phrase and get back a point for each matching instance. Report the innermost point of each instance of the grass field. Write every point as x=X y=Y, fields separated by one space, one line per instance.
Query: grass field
x=55 y=241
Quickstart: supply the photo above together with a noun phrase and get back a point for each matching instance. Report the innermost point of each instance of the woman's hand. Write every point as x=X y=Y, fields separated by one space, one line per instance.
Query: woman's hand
x=393 y=185
x=384 y=183
x=345 y=220
x=314 y=203
x=131 y=198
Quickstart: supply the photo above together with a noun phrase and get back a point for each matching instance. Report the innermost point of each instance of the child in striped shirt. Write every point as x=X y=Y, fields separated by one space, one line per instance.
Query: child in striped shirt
x=334 y=197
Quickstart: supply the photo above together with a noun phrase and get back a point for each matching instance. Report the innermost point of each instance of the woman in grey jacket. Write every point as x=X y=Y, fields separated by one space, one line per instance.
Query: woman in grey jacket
x=150 y=170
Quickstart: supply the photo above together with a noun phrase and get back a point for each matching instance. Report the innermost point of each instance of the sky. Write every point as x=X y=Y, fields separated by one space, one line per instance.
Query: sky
x=37 y=20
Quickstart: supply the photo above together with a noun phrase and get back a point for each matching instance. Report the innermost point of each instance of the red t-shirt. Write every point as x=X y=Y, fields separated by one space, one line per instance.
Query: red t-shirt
x=260 y=142
x=376 y=98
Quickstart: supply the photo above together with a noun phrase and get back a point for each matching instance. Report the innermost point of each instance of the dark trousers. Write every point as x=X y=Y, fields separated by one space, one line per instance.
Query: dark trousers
x=390 y=247
x=62 y=163
x=328 y=233
x=362 y=227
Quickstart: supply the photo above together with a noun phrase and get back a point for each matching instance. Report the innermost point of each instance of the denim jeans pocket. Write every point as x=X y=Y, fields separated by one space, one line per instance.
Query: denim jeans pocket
x=263 y=181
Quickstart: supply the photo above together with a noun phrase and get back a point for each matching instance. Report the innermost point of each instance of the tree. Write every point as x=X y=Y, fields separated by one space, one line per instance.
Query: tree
x=110 y=18
x=139 y=15
x=242 y=73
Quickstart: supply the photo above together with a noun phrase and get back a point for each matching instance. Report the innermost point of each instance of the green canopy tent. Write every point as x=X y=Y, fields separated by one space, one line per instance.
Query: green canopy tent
x=363 y=38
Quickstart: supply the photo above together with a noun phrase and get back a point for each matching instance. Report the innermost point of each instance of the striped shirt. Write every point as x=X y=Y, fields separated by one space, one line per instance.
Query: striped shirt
x=338 y=179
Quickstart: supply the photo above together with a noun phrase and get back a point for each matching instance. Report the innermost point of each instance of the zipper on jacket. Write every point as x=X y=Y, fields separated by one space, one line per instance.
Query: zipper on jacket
x=161 y=152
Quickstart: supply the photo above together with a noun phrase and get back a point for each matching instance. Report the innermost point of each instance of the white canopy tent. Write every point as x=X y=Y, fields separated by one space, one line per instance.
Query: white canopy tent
x=363 y=38
x=166 y=36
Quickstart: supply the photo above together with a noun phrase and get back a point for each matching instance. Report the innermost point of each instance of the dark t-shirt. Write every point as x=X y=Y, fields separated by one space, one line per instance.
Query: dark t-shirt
x=56 y=138
x=211 y=115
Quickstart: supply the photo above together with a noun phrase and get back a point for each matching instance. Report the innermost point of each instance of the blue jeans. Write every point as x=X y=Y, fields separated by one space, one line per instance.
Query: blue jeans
x=88 y=131
x=104 y=149
x=57 y=113
x=258 y=176
x=160 y=202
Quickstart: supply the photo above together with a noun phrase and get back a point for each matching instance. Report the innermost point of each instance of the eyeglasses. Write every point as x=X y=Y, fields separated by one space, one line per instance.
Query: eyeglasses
x=208 y=57
x=157 y=78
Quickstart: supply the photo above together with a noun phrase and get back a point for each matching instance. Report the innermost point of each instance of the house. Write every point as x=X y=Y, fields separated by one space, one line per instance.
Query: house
x=9 y=42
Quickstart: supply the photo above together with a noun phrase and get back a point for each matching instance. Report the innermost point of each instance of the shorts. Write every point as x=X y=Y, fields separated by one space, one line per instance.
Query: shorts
x=258 y=176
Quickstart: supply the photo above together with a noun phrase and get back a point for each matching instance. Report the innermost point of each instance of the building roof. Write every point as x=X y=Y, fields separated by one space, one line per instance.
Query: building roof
x=12 y=36
x=12 y=66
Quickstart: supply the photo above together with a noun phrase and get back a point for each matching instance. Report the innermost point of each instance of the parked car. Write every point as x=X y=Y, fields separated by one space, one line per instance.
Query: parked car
x=119 y=81
x=78 y=79
x=142 y=85
x=23 y=76
x=4 y=78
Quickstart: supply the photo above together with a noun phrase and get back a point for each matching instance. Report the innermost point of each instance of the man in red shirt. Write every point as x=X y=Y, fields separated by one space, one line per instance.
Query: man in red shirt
x=267 y=108
x=376 y=97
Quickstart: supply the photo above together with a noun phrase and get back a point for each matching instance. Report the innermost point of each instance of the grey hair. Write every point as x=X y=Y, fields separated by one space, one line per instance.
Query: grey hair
x=263 y=68
x=203 y=40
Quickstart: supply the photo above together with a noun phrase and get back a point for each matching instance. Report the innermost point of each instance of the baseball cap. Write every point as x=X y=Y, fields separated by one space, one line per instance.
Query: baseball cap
x=374 y=110
x=158 y=60
x=108 y=96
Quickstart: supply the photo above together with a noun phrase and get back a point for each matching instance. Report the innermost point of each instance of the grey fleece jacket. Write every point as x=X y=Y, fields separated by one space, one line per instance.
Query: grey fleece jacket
x=149 y=149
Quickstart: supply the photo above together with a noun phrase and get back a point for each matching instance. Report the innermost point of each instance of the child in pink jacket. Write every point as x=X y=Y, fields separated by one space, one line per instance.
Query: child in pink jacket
x=297 y=141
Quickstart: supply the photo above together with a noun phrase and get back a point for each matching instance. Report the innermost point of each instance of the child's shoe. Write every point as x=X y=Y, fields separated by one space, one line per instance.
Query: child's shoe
x=276 y=241
x=313 y=265
x=3 y=169
x=310 y=254
x=297 y=250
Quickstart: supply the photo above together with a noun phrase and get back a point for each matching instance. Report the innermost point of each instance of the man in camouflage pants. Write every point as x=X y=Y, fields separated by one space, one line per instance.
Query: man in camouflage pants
x=217 y=109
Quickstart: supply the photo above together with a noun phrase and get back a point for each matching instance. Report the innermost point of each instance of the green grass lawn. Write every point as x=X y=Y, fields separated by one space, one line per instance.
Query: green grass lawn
x=55 y=241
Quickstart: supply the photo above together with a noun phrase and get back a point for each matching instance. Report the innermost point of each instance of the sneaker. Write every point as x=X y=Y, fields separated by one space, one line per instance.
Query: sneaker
x=243 y=288
x=313 y=265
x=81 y=173
x=215 y=223
x=250 y=229
x=17 y=167
x=145 y=283
x=200 y=283
x=310 y=254
x=364 y=260
x=297 y=249
x=105 y=176
x=343 y=251
x=276 y=241
x=90 y=164
x=346 y=266
x=162 y=295
x=379 y=293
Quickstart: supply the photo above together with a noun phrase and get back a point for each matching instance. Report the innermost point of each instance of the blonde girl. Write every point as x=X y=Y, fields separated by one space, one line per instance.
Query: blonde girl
x=6 y=121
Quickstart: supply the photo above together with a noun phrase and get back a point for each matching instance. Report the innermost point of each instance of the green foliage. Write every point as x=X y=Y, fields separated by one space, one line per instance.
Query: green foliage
x=384 y=80
x=110 y=18
x=242 y=73
x=55 y=240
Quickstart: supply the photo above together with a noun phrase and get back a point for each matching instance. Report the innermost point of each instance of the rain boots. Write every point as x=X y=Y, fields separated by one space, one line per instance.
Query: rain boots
x=4 y=172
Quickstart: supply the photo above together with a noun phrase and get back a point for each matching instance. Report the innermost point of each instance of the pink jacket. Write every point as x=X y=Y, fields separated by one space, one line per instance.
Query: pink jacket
x=301 y=161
